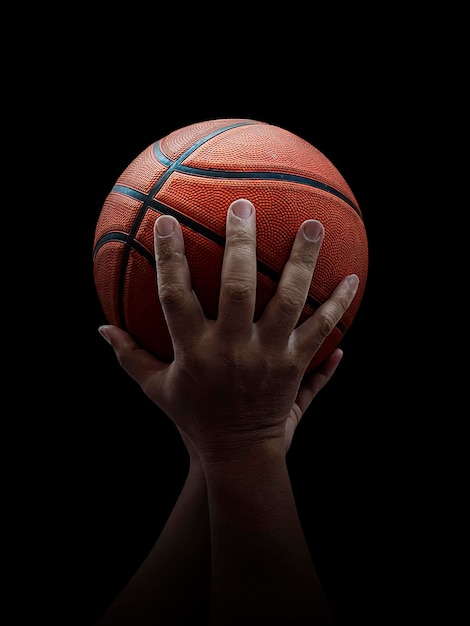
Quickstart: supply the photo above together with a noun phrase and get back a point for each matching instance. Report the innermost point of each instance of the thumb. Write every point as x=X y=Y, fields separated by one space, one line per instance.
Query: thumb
x=134 y=360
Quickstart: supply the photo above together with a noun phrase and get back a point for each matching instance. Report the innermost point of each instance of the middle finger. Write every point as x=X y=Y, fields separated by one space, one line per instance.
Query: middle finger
x=238 y=278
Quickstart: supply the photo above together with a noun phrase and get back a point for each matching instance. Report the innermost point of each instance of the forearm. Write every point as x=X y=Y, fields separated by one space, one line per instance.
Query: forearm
x=262 y=571
x=172 y=584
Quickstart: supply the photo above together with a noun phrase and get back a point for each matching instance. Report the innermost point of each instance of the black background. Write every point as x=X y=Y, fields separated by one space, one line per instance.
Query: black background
x=107 y=466
x=130 y=462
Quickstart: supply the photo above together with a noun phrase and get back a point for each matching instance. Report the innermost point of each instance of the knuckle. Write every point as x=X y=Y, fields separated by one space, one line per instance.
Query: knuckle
x=327 y=320
x=172 y=295
x=166 y=253
x=305 y=257
x=125 y=359
x=237 y=289
x=240 y=237
x=291 y=298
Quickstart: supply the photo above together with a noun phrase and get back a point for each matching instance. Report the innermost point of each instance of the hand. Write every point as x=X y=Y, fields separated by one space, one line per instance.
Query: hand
x=235 y=383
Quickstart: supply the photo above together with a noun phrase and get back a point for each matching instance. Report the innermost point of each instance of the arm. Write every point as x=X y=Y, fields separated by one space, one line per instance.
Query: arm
x=261 y=562
x=172 y=585
x=236 y=390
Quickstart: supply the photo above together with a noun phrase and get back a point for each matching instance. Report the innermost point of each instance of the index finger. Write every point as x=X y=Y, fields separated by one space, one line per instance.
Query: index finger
x=183 y=312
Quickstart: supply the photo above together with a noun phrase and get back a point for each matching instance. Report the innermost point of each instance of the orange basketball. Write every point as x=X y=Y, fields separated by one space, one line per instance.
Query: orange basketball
x=194 y=173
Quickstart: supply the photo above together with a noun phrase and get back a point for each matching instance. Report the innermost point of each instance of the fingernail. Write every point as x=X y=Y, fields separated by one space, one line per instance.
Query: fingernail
x=313 y=230
x=103 y=333
x=353 y=281
x=242 y=208
x=165 y=225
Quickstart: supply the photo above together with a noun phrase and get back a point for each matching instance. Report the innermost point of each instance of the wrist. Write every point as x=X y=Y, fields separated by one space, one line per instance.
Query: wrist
x=255 y=481
x=241 y=449
x=245 y=463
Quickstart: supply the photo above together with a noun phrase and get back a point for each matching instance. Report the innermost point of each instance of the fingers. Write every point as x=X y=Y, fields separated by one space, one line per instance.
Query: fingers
x=307 y=338
x=137 y=363
x=180 y=305
x=238 y=279
x=284 y=309
x=317 y=379
x=184 y=315
x=309 y=388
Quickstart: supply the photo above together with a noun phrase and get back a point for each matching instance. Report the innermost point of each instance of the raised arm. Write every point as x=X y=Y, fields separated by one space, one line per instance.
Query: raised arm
x=236 y=391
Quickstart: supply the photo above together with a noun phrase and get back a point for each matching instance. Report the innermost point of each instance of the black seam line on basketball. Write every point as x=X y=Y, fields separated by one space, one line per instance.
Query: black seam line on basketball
x=124 y=238
x=292 y=178
x=250 y=176
x=148 y=199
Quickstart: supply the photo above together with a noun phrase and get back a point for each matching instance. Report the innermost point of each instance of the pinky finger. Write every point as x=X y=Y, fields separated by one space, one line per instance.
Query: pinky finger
x=316 y=380
x=309 y=336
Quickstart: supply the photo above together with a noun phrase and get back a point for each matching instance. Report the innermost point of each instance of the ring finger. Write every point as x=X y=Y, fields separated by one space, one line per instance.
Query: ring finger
x=283 y=311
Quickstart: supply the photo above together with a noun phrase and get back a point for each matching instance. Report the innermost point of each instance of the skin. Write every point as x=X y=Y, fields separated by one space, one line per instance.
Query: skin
x=233 y=550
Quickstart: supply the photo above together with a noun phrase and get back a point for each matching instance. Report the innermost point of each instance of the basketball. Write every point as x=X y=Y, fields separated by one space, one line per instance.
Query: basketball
x=194 y=173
